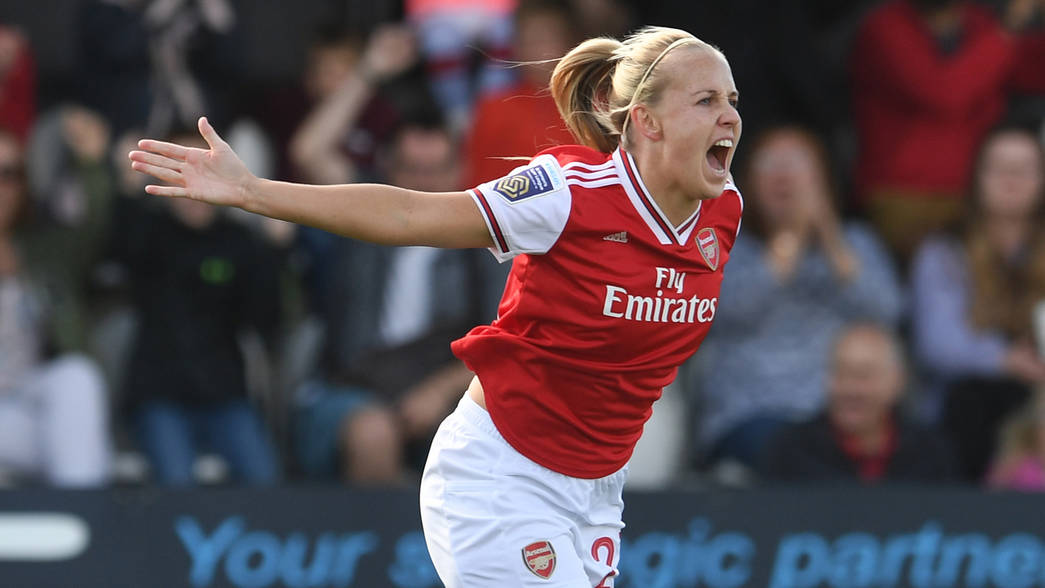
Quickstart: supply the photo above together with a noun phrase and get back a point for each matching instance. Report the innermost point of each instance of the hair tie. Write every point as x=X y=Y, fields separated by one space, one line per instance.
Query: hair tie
x=646 y=74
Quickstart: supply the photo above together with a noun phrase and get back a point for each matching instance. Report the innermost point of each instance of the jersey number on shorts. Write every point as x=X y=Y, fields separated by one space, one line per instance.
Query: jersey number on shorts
x=606 y=544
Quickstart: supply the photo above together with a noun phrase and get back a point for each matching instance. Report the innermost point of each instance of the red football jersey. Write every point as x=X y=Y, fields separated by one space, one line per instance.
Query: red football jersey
x=604 y=301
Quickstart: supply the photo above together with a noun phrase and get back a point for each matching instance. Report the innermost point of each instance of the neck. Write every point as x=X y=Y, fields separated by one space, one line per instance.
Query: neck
x=1008 y=234
x=676 y=204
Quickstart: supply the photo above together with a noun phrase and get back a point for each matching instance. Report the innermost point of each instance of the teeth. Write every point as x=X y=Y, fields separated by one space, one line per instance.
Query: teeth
x=728 y=143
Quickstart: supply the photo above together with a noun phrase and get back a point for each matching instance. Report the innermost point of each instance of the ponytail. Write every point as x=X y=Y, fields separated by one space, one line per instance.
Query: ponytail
x=580 y=85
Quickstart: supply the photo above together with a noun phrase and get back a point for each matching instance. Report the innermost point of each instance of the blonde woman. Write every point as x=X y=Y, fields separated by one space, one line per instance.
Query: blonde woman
x=1020 y=461
x=618 y=244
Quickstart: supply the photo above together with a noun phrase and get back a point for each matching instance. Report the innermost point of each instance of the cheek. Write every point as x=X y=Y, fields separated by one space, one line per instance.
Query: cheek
x=684 y=127
x=1028 y=188
x=992 y=189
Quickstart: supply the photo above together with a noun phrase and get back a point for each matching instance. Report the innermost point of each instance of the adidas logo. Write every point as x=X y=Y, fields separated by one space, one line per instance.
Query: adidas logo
x=621 y=237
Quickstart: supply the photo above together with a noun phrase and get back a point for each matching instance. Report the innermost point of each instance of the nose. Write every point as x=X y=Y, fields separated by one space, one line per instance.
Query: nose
x=730 y=117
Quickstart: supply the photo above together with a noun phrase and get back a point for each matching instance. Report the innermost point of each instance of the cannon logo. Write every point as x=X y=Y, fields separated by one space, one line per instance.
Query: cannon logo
x=540 y=558
x=708 y=243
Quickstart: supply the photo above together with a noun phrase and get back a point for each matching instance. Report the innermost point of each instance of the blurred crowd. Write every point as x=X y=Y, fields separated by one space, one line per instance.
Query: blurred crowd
x=882 y=316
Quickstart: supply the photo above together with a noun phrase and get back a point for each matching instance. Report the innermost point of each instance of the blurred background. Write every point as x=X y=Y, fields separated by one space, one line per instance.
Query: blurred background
x=882 y=312
x=881 y=330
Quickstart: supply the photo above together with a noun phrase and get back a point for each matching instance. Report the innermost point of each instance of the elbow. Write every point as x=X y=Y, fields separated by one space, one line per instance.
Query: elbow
x=884 y=306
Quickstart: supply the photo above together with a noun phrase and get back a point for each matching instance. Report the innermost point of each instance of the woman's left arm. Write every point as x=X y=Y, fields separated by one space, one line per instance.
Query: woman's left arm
x=377 y=213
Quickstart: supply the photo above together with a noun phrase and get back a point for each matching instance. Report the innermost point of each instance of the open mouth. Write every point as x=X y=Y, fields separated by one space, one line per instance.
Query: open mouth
x=718 y=154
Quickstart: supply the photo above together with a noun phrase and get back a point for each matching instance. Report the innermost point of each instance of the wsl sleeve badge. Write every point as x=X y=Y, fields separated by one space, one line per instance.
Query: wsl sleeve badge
x=540 y=558
x=539 y=178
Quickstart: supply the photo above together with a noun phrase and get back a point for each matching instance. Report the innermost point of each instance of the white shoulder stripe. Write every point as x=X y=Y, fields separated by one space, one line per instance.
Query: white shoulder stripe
x=608 y=164
x=572 y=173
x=596 y=183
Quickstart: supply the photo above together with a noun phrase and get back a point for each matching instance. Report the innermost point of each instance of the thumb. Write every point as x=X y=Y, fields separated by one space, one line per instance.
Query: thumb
x=209 y=134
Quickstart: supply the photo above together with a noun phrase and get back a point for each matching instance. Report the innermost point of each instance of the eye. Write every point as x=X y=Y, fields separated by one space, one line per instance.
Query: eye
x=705 y=101
x=734 y=102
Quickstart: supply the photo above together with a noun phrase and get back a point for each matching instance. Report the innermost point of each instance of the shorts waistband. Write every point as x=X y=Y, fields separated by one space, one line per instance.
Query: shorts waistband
x=477 y=416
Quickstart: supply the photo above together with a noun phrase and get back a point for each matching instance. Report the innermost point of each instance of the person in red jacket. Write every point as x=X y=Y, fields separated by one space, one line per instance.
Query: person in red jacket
x=930 y=77
x=17 y=83
x=522 y=119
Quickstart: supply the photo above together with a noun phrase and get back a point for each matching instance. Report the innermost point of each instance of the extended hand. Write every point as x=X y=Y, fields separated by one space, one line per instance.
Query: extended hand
x=391 y=51
x=214 y=175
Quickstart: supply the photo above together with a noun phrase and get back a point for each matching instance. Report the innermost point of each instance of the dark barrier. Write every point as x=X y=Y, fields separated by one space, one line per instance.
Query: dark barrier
x=298 y=538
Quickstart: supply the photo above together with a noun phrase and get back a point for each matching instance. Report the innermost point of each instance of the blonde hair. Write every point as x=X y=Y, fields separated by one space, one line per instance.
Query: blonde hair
x=598 y=82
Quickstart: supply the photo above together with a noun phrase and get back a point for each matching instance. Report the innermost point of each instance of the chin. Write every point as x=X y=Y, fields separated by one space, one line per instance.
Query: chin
x=711 y=190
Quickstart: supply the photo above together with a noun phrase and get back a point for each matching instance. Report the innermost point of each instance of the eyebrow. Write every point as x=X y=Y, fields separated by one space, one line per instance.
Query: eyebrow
x=732 y=94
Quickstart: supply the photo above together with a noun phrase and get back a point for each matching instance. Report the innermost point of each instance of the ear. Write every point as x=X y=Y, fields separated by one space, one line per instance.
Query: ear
x=645 y=123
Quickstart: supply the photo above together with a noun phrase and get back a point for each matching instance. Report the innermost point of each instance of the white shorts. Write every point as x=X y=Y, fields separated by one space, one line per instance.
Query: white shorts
x=492 y=517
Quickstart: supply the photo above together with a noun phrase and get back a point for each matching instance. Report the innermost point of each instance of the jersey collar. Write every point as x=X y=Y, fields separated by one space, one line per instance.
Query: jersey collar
x=647 y=207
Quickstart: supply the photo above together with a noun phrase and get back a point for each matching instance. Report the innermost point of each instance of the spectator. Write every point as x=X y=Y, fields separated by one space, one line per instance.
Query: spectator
x=157 y=64
x=1020 y=461
x=198 y=281
x=930 y=77
x=388 y=377
x=974 y=289
x=17 y=83
x=71 y=175
x=609 y=18
x=796 y=274
x=522 y=119
x=53 y=412
x=338 y=139
x=448 y=31
x=786 y=60
x=861 y=435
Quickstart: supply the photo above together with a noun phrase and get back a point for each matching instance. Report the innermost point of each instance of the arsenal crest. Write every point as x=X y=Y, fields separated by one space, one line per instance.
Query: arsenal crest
x=540 y=558
x=707 y=242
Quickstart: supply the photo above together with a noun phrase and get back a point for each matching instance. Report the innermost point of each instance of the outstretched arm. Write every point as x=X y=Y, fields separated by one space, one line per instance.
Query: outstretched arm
x=377 y=213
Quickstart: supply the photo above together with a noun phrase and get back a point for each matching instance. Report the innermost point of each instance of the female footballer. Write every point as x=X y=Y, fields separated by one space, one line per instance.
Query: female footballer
x=618 y=246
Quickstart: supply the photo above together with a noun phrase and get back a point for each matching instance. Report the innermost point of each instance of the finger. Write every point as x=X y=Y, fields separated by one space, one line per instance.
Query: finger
x=172 y=191
x=209 y=134
x=152 y=158
x=160 y=173
x=164 y=148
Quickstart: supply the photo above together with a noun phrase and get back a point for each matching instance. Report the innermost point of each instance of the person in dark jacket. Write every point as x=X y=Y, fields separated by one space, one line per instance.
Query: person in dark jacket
x=861 y=436
x=198 y=281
